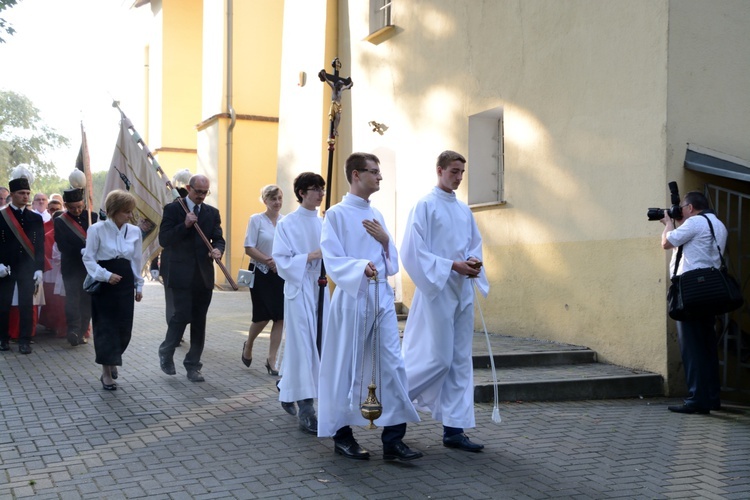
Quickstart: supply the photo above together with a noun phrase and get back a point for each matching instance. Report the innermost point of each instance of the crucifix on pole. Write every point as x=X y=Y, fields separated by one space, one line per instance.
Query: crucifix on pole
x=338 y=84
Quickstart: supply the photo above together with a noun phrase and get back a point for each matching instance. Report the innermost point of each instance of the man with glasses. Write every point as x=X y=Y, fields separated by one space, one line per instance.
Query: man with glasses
x=442 y=248
x=359 y=254
x=697 y=338
x=70 y=235
x=191 y=272
x=296 y=252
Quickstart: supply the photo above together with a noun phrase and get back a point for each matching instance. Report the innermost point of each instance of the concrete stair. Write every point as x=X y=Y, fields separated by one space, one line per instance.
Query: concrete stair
x=542 y=370
x=539 y=370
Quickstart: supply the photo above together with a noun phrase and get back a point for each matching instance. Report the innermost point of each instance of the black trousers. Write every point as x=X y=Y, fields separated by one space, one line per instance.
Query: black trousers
x=700 y=358
x=392 y=434
x=77 y=305
x=25 y=306
x=190 y=306
x=112 y=314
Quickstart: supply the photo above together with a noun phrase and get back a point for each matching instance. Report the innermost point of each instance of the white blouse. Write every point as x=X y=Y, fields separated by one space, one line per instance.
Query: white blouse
x=259 y=235
x=106 y=242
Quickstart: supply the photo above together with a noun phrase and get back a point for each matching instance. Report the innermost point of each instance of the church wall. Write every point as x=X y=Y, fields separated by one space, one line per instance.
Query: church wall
x=582 y=87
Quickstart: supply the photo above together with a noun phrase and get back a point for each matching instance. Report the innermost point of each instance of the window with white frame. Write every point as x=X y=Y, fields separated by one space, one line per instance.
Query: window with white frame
x=485 y=168
x=380 y=14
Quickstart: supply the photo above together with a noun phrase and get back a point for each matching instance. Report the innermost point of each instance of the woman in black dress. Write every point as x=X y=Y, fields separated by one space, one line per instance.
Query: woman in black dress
x=267 y=293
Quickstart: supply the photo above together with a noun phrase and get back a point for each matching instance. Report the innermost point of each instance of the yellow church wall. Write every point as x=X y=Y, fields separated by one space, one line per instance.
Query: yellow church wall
x=582 y=87
x=257 y=56
x=181 y=70
x=254 y=167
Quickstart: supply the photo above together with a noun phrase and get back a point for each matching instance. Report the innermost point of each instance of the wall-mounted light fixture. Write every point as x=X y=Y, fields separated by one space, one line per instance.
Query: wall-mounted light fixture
x=378 y=127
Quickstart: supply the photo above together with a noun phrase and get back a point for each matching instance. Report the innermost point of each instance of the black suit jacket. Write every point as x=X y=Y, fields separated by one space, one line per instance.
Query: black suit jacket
x=185 y=253
x=12 y=253
x=70 y=244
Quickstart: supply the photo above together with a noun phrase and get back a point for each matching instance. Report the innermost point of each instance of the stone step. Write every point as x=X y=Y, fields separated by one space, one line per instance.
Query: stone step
x=566 y=383
x=542 y=370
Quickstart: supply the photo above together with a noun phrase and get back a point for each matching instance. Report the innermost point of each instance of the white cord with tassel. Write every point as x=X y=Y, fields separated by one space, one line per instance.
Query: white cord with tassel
x=496 y=410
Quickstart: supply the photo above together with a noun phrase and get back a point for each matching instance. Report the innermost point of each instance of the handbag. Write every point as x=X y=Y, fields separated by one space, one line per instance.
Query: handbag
x=92 y=286
x=246 y=277
x=703 y=292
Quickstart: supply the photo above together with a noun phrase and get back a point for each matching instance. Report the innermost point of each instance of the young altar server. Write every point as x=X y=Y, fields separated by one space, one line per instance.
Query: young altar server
x=357 y=247
x=442 y=247
x=296 y=251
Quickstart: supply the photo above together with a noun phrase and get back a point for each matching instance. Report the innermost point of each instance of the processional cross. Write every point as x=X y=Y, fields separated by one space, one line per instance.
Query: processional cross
x=338 y=85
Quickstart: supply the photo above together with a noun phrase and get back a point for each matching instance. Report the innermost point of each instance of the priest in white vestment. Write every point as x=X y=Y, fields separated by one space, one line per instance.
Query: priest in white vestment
x=296 y=251
x=441 y=249
x=356 y=247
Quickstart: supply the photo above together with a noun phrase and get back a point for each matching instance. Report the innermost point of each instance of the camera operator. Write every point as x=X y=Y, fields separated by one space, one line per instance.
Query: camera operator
x=697 y=338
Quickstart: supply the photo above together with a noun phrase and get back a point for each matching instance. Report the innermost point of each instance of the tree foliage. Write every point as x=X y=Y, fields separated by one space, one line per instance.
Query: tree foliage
x=4 y=25
x=24 y=138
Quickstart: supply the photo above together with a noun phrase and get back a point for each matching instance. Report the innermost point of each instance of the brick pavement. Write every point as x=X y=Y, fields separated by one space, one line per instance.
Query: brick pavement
x=62 y=436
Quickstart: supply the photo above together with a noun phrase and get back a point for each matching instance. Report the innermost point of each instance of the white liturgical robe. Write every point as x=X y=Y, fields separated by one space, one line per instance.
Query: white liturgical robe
x=346 y=362
x=438 y=334
x=297 y=235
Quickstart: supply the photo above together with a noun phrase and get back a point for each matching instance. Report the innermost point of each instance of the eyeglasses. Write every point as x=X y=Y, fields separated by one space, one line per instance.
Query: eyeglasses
x=317 y=189
x=686 y=204
x=200 y=192
x=373 y=172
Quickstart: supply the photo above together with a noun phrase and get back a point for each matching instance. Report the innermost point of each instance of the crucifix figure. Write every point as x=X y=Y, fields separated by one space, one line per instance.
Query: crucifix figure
x=338 y=85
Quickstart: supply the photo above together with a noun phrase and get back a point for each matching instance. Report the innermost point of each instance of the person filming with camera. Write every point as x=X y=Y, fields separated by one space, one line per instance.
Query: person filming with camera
x=693 y=246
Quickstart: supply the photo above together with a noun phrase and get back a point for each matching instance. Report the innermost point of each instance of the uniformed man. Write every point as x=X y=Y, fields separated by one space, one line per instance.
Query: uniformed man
x=70 y=236
x=21 y=262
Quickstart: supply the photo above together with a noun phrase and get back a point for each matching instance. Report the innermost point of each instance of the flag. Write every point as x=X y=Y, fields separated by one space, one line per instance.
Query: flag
x=131 y=170
x=83 y=164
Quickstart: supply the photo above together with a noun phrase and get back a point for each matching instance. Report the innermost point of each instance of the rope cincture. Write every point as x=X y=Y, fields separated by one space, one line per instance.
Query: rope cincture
x=496 y=410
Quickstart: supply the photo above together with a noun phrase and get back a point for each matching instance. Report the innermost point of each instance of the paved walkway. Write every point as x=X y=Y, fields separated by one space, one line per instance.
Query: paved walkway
x=62 y=436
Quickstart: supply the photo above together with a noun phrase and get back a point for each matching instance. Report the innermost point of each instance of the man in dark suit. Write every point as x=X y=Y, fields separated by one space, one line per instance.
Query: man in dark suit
x=21 y=262
x=191 y=272
x=70 y=236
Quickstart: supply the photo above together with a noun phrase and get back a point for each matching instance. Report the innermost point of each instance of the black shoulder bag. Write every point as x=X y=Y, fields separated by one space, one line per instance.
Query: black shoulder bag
x=703 y=292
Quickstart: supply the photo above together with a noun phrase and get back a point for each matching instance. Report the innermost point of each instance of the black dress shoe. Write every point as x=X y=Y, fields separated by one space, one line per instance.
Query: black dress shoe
x=289 y=408
x=73 y=339
x=271 y=371
x=107 y=387
x=461 y=442
x=167 y=365
x=689 y=409
x=350 y=449
x=195 y=376
x=309 y=424
x=24 y=348
x=245 y=361
x=4 y=345
x=399 y=451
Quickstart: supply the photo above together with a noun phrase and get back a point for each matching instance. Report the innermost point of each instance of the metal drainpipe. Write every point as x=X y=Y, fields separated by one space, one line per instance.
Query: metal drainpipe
x=230 y=134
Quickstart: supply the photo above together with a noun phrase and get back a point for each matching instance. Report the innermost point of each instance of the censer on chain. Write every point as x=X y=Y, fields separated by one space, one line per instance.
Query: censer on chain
x=371 y=408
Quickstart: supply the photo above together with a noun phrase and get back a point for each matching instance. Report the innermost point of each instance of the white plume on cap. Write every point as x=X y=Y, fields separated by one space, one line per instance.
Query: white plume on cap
x=181 y=178
x=77 y=179
x=22 y=170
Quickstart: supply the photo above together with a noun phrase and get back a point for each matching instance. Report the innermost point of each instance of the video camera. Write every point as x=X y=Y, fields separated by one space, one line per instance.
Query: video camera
x=675 y=212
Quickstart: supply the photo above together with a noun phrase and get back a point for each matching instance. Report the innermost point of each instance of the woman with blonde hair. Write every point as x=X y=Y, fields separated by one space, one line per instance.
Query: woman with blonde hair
x=113 y=257
x=267 y=293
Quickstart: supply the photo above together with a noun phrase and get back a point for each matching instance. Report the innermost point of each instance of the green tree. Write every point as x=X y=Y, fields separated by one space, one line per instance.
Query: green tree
x=24 y=138
x=4 y=25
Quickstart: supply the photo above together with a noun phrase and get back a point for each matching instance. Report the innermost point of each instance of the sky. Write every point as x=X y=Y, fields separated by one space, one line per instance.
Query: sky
x=72 y=58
